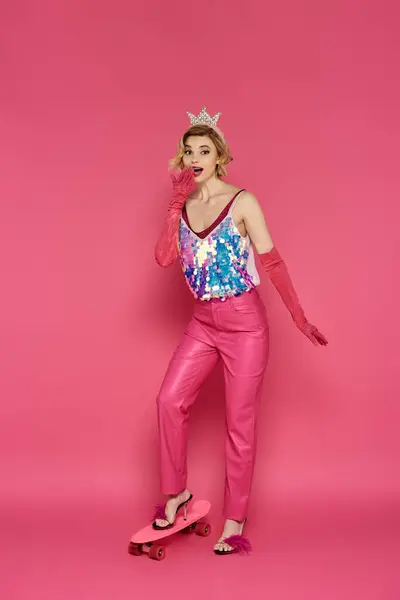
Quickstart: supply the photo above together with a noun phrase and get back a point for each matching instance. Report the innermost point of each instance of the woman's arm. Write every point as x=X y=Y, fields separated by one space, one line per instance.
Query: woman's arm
x=250 y=212
x=273 y=264
x=166 y=250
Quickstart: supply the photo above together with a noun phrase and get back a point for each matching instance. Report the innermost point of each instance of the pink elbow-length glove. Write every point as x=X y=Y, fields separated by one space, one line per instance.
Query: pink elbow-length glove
x=166 y=250
x=274 y=265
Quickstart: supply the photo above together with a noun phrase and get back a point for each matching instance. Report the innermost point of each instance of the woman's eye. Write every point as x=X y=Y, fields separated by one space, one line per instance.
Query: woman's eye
x=202 y=152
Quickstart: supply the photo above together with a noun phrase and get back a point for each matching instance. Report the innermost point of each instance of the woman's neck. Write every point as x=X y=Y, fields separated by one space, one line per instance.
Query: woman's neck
x=211 y=187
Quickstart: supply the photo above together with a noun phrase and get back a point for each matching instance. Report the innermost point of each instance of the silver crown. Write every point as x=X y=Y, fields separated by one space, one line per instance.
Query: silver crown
x=203 y=118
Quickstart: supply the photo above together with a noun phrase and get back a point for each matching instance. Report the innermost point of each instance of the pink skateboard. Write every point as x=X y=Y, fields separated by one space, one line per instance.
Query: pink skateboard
x=143 y=541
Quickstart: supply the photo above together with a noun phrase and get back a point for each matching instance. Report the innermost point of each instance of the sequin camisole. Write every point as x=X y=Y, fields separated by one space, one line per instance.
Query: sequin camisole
x=217 y=262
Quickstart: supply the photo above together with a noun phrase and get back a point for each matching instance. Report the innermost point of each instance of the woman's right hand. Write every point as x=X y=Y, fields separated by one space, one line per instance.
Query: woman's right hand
x=183 y=184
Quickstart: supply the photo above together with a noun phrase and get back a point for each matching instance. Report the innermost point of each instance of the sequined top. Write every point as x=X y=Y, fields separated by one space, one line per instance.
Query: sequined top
x=218 y=262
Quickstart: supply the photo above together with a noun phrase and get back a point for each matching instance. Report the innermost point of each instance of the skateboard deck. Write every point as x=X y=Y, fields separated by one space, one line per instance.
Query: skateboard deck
x=143 y=541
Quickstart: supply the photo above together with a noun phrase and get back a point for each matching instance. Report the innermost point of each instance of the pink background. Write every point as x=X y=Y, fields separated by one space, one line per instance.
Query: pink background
x=92 y=103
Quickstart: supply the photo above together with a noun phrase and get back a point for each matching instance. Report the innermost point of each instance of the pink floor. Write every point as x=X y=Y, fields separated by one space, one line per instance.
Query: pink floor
x=82 y=554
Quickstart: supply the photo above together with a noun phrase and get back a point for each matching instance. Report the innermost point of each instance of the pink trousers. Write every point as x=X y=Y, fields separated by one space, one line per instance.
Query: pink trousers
x=236 y=331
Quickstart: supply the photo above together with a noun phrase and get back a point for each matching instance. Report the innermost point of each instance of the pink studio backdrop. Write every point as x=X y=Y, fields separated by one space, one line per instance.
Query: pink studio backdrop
x=93 y=102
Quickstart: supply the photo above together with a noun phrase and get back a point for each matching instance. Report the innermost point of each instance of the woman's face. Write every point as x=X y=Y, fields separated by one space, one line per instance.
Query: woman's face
x=201 y=154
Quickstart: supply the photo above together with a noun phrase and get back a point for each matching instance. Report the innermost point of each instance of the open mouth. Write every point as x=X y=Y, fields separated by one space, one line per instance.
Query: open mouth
x=197 y=171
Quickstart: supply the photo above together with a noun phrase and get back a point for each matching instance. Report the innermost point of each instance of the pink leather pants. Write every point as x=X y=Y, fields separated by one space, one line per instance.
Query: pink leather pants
x=236 y=331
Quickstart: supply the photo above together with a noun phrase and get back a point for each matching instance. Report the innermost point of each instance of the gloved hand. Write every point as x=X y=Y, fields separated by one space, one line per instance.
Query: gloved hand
x=183 y=184
x=313 y=334
x=274 y=265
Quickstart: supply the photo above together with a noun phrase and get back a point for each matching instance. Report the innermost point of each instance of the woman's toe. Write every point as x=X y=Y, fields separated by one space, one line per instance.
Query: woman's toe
x=222 y=546
x=161 y=523
x=227 y=547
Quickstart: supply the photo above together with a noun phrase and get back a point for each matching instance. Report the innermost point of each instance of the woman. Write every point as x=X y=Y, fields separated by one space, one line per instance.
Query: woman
x=211 y=226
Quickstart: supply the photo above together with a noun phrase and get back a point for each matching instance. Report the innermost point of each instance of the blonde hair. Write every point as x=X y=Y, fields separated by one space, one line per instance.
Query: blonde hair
x=223 y=152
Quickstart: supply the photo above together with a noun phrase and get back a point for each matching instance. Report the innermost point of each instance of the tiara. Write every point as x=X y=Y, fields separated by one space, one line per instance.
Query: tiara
x=203 y=118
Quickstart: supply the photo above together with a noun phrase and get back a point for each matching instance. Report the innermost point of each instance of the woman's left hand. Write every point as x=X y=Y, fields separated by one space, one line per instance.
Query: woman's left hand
x=316 y=337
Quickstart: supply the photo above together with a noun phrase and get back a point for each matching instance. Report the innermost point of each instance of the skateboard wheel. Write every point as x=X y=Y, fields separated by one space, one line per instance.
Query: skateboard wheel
x=135 y=549
x=203 y=529
x=157 y=552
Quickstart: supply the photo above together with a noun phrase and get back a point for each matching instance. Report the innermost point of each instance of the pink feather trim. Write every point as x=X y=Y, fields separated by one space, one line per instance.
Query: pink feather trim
x=160 y=512
x=239 y=543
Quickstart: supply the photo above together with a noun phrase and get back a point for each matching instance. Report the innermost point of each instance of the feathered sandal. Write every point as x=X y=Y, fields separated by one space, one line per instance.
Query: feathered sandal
x=238 y=543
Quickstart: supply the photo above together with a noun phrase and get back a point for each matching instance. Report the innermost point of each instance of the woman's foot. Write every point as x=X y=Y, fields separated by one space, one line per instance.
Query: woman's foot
x=171 y=507
x=231 y=528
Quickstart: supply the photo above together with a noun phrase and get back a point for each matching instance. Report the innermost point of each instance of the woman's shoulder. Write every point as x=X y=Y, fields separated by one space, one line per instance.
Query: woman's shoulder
x=245 y=203
x=244 y=195
x=234 y=189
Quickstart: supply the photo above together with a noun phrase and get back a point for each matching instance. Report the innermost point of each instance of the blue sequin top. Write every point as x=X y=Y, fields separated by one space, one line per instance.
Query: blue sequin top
x=220 y=264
